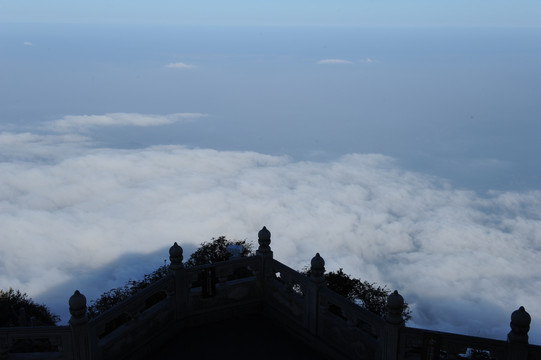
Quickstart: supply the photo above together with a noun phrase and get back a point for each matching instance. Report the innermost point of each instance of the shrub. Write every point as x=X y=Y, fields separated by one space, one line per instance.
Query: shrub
x=11 y=301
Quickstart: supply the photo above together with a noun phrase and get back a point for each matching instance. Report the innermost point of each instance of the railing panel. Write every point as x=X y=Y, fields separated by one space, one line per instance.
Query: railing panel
x=288 y=275
x=206 y=280
x=286 y=290
x=347 y=327
x=130 y=308
x=200 y=276
x=333 y=305
x=226 y=294
x=135 y=334
x=40 y=342
x=425 y=344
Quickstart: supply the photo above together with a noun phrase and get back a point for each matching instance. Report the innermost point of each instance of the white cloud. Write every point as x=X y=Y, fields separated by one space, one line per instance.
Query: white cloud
x=28 y=43
x=333 y=62
x=368 y=61
x=83 y=122
x=179 y=65
x=71 y=218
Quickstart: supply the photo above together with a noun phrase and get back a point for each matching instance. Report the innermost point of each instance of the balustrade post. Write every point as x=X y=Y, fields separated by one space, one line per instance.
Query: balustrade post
x=82 y=341
x=265 y=253
x=180 y=290
x=517 y=339
x=394 y=321
x=317 y=282
x=264 y=240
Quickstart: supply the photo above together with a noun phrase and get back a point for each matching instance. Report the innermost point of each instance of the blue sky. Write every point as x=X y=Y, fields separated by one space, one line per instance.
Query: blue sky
x=398 y=139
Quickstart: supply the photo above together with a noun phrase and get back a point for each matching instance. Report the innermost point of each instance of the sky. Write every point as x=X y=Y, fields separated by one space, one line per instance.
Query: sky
x=397 y=139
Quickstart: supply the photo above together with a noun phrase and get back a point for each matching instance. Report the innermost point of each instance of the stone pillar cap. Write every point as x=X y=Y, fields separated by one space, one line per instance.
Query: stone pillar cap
x=77 y=301
x=521 y=318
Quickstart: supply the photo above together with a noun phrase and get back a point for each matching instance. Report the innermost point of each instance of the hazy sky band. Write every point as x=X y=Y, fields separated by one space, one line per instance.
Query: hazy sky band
x=394 y=13
x=457 y=103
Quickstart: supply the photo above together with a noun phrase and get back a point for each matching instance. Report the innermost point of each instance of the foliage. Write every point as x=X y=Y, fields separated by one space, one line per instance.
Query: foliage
x=217 y=250
x=368 y=295
x=13 y=300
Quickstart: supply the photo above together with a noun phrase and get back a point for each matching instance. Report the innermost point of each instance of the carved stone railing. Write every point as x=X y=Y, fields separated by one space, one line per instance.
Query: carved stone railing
x=319 y=317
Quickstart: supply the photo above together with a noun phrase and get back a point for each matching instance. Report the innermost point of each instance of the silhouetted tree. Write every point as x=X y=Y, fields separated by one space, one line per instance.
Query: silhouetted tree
x=11 y=303
x=217 y=250
x=368 y=295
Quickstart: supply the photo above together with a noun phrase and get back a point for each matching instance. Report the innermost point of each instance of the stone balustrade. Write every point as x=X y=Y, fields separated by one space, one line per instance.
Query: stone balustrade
x=259 y=284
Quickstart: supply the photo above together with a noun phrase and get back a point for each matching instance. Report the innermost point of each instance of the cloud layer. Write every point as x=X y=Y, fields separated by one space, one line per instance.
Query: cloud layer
x=71 y=212
x=334 y=62
x=367 y=61
x=72 y=123
x=179 y=65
